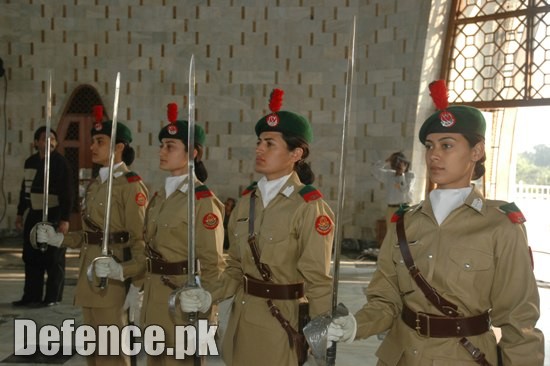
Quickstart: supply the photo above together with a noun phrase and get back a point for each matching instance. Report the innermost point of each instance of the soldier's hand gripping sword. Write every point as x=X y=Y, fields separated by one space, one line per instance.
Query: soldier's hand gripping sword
x=107 y=219
x=193 y=280
x=316 y=330
x=36 y=245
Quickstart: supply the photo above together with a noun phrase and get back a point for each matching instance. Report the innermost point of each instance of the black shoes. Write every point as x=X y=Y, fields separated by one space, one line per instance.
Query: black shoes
x=33 y=304
x=26 y=303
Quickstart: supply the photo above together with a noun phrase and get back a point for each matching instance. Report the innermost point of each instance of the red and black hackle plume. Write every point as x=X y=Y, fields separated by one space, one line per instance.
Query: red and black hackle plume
x=439 y=94
x=172 y=114
x=98 y=114
x=276 y=100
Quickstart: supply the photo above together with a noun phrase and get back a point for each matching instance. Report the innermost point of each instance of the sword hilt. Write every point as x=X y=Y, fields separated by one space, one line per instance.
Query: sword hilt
x=172 y=304
x=35 y=243
x=91 y=273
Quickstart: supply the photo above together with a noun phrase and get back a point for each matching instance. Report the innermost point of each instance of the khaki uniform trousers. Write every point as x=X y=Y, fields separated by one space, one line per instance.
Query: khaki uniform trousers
x=105 y=316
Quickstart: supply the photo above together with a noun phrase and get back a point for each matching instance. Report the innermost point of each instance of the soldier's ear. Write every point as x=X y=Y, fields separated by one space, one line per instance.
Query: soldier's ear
x=478 y=151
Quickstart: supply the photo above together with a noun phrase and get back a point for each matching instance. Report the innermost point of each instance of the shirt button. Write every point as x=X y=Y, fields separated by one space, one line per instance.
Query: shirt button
x=467 y=265
x=430 y=256
x=415 y=351
x=243 y=302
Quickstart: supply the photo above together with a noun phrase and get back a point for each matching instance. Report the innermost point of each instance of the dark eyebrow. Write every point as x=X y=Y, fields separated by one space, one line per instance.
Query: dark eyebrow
x=442 y=139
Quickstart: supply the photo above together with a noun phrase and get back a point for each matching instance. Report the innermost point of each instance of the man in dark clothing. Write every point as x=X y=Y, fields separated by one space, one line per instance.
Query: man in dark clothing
x=60 y=199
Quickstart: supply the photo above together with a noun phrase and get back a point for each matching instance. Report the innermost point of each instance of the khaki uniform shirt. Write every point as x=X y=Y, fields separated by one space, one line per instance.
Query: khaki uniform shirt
x=477 y=259
x=166 y=234
x=294 y=234
x=128 y=202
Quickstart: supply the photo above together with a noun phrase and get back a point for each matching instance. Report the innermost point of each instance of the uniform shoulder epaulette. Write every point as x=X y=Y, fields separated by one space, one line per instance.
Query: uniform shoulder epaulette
x=400 y=212
x=310 y=193
x=203 y=191
x=132 y=177
x=513 y=212
x=249 y=189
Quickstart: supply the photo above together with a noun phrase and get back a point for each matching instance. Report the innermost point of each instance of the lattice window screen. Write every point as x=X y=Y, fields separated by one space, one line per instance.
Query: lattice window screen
x=498 y=53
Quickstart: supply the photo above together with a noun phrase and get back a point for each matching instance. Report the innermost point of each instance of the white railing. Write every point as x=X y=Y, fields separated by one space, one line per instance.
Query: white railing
x=532 y=192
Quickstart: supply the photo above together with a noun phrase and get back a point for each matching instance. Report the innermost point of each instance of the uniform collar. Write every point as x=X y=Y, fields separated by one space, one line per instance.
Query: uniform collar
x=118 y=170
x=475 y=200
x=288 y=188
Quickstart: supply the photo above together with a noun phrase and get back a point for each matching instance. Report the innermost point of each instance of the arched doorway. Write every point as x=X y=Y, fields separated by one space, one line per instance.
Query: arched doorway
x=74 y=140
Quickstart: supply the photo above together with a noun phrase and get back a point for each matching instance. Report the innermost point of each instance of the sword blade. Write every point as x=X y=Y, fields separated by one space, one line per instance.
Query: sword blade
x=107 y=218
x=338 y=234
x=191 y=280
x=45 y=200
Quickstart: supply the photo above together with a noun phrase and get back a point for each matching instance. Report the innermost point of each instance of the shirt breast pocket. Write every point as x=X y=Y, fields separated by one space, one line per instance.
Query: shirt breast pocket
x=472 y=269
x=276 y=247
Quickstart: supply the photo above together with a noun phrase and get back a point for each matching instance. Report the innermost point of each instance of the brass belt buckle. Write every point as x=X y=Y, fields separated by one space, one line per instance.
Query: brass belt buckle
x=148 y=265
x=418 y=328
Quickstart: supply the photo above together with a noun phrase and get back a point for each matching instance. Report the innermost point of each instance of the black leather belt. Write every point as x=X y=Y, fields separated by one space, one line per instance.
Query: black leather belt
x=437 y=326
x=274 y=291
x=158 y=266
x=96 y=237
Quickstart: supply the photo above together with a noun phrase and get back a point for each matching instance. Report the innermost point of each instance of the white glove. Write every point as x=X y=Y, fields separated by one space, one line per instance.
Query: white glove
x=342 y=329
x=108 y=267
x=47 y=234
x=133 y=301
x=195 y=299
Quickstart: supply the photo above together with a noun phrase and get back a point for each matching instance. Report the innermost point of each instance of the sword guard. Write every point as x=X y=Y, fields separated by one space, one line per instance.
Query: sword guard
x=91 y=273
x=34 y=240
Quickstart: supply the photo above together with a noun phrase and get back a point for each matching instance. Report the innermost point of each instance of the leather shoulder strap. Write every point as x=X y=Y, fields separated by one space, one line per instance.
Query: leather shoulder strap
x=442 y=304
x=263 y=268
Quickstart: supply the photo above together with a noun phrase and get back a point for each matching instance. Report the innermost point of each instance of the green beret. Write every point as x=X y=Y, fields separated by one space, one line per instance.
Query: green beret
x=288 y=123
x=123 y=133
x=179 y=130
x=454 y=119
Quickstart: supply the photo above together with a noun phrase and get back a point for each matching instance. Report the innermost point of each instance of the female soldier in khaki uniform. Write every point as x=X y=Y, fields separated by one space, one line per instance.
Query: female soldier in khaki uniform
x=293 y=229
x=473 y=251
x=129 y=199
x=166 y=235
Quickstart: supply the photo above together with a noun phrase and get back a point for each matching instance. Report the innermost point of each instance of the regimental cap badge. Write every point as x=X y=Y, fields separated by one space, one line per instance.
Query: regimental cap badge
x=172 y=114
x=275 y=104
x=98 y=114
x=285 y=122
x=440 y=97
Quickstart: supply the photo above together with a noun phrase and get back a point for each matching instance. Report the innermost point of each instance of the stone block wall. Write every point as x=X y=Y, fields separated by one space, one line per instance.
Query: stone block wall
x=242 y=50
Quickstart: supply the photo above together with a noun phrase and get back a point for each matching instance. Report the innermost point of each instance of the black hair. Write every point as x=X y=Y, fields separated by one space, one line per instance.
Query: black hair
x=41 y=130
x=479 y=169
x=128 y=154
x=302 y=168
x=200 y=168
x=396 y=157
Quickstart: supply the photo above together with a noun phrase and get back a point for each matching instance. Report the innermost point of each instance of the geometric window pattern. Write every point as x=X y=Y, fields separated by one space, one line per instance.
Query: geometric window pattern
x=499 y=53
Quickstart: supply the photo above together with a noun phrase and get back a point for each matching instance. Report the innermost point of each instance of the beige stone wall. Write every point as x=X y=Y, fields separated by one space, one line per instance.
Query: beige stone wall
x=243 y=49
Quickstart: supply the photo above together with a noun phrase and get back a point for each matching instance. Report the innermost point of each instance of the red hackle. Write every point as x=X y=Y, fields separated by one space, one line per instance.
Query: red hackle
x=276 y=100
x=98 y=113
x=172 y=112
x=439 y=94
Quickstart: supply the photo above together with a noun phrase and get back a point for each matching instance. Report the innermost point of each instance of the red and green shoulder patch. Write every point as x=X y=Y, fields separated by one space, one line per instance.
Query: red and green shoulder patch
x=400 y=212
x=132 y=177
x=249 y=189
x=513 y=213
x=203 y=192
x=310 y=193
